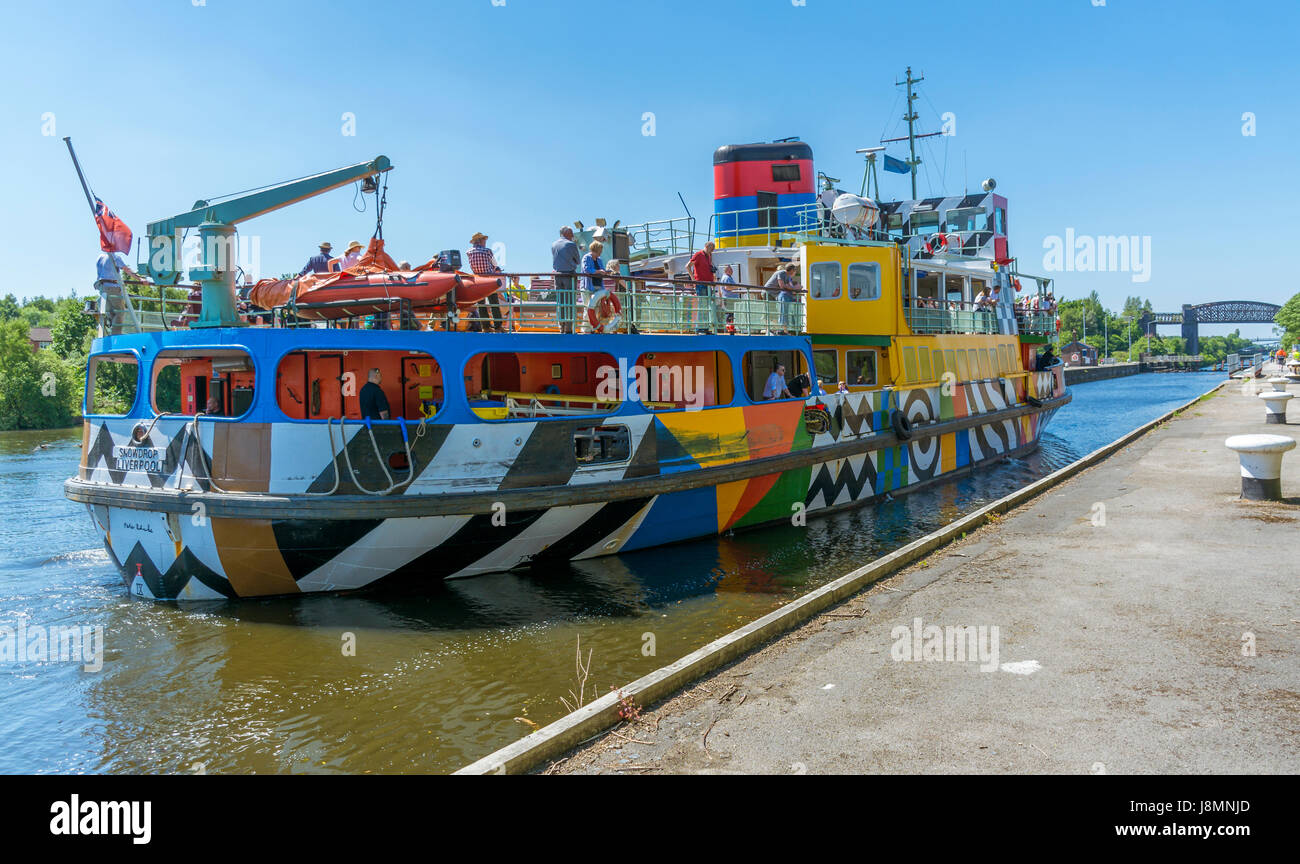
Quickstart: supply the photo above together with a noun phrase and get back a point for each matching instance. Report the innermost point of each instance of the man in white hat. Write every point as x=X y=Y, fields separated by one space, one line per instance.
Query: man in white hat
x=318 y=263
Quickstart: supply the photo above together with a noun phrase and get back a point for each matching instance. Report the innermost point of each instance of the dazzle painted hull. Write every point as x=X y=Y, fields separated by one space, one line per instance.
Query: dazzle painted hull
x=491 y=497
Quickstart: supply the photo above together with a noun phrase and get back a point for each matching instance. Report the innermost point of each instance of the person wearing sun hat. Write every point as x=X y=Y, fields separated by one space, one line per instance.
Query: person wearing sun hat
x=319 y=263
x=351 y=255
x=483 y=263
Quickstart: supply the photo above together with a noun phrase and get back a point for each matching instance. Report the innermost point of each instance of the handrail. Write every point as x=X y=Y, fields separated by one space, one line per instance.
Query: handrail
x=565 y=397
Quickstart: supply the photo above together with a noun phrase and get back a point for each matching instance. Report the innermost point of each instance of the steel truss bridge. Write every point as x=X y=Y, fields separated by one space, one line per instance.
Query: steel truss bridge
x=1223 y=312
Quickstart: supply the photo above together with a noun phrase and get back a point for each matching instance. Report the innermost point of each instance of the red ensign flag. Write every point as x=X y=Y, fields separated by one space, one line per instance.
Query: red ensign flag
x=114 y=235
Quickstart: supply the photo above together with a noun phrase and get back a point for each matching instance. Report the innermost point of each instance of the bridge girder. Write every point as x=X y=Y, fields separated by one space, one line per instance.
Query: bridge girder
x=1222 y=312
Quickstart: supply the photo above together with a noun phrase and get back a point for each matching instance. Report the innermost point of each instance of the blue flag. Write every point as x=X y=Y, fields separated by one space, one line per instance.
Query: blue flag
x=896 y=166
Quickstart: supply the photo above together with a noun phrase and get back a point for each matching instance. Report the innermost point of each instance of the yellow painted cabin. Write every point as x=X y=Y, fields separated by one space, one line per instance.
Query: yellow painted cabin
x=859 y=323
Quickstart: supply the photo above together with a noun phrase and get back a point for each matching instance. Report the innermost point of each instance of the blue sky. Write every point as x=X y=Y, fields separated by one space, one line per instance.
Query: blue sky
x=1123 y=119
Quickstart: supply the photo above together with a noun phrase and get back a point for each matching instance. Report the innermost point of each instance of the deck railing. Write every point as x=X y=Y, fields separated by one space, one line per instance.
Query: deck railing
x=944 y=320
x=644 y=305
x=136 y=306
x=1036 y=322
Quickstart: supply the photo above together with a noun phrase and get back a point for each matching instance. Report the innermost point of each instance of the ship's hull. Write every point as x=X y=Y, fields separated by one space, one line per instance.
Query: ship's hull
x=492 y=497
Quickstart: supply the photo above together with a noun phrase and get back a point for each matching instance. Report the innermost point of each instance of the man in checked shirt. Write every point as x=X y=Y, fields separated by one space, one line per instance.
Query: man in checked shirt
x=483 y=263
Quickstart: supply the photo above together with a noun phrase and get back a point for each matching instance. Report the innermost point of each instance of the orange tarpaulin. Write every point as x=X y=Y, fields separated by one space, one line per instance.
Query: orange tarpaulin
x=269 y=293
x=376 y=276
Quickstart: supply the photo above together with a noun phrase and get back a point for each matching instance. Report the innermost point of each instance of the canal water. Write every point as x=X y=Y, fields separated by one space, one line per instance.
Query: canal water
x=436 y=680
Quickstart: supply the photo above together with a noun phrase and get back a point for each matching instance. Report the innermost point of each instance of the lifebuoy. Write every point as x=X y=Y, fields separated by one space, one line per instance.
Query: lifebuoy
x=937 y=243
x=901 y=425
x=1058 y=325
x=605 y=312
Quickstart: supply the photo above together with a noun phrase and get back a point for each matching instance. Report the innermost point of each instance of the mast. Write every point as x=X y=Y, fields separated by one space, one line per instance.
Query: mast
x=911 y=127
x=911 y=117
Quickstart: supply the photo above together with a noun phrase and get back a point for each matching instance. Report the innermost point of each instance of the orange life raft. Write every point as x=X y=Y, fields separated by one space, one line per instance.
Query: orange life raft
x=375 y=277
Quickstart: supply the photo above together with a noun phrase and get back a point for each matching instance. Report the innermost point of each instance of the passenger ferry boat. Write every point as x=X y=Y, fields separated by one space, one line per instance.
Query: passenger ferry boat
x=243 y=468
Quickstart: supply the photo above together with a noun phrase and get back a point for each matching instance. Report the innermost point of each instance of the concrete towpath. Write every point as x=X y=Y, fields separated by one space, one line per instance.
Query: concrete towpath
x=1147 y=621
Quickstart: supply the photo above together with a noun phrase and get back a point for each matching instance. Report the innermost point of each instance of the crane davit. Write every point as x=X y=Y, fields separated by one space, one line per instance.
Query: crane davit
x=216 y=223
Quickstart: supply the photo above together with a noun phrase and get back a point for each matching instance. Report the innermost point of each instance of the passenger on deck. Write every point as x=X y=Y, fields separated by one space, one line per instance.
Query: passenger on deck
x=592 y=265
x=776 y=387
x=213 y=408
x=778 y=286
x=351 y=256
x=564 y=261
x=702 y=270
x=982 y=299
x=374 y=404
x=319 y=263
x=729 y=296
x=483 y=263
x=110 y=268
x=729 y=278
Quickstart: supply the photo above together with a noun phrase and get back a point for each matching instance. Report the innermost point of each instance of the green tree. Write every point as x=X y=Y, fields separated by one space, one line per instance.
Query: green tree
x=70 y=330
x=9 y=308
x=38 y=390
x=1288 y=319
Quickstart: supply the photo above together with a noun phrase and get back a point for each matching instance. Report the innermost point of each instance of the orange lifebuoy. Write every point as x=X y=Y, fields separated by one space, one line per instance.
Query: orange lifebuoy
x=1058 y=325
x=605 y=313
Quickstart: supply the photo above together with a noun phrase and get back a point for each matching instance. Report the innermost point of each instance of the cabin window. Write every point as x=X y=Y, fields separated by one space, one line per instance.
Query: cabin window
x=977 y=286
x=518 y=385
x=967 y=219
x=985 y=370
x=864 y=281
x=894 y=223
x=954 y=290
x=785 y=173
x=215 y=382
x=759 y=366
x=1000 y=220
x=950 y=362
x=927 y=287
x=974 y=363
x=824 y=283
x=111 y=384
x=861 y=368
x=827 y=363
x=925 y=223
x=320 y=385
x=923 y=362
x=940 y=369
x=676 y=380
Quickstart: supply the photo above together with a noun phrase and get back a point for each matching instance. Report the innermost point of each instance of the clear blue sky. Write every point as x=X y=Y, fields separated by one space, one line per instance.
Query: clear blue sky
x=515 y=118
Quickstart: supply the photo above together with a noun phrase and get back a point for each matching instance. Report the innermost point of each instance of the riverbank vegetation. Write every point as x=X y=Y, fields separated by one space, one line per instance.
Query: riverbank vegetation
x=41 y=388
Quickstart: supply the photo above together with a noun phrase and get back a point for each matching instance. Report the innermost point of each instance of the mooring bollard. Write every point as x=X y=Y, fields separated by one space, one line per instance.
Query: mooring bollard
x=1261 y=464
x=1275 y=406
x=1279 y=384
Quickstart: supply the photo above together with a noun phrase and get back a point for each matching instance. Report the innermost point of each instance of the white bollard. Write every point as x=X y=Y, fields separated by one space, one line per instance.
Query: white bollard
x=1279 y=384
x=1275 y=406
x=1261 y=464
